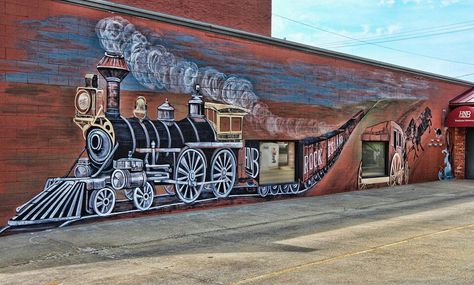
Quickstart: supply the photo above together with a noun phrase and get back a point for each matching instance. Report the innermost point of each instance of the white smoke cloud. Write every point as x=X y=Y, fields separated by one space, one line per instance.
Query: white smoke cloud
x=156 y=68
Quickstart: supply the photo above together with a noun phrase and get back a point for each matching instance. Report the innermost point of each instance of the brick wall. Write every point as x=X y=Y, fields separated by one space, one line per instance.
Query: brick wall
x=46 y=47
x=459 y=153
x=247 y=15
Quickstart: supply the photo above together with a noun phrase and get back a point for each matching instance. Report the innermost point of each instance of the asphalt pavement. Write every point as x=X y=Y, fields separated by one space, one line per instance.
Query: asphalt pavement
x=411 y=234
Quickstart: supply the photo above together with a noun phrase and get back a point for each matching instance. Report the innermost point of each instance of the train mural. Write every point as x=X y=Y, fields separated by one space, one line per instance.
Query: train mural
x=233 y=123
x=197 y=154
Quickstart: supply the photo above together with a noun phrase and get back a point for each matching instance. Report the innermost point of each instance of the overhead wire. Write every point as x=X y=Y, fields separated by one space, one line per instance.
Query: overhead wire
x=413 y=32
x=374 y=44
x=405 y=38
x=464 y=75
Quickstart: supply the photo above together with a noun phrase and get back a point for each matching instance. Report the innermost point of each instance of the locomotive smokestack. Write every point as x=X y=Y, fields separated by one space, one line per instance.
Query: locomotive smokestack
x=114 y=69
x=196 y=104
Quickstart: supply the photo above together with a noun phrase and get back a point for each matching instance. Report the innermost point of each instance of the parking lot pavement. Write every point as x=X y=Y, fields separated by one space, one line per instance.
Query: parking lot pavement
x=412 y=234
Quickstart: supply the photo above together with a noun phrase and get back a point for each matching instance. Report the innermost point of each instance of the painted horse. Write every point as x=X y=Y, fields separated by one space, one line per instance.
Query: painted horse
x=425 y=123
x=414 y=131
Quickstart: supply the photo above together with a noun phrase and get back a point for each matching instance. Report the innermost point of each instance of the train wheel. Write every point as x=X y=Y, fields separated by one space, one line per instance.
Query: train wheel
x=294 y=188
x=103 y=201
x=143 y=198
x=263 y=190
x=318 y=176
x=169 y=189
x=396 y=171
x=284 y=188
x=189 y=174
x=223 y=167
x=128 y=193
x=274 y=189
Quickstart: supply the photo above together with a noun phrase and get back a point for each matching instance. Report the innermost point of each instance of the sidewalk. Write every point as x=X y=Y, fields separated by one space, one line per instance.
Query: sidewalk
x=420 y=233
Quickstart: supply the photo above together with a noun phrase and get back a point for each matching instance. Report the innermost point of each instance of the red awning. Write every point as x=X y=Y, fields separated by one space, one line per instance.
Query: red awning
x=462 y=116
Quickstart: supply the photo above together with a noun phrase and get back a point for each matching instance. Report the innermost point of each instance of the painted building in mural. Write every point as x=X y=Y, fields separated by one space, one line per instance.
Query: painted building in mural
x=106 y=110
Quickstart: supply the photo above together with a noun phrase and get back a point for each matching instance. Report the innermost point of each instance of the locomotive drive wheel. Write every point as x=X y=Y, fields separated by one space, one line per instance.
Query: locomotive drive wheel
x=223 y=167
x=190 y=173
x=143 y=197
x=396 y=171
x=103 y=201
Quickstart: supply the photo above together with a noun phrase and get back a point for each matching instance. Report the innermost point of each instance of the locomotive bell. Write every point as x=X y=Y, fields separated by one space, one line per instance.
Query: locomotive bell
x=114 y=69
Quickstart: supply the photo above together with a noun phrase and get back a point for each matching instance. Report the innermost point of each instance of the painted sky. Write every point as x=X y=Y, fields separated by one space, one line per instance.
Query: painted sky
x=435 y=28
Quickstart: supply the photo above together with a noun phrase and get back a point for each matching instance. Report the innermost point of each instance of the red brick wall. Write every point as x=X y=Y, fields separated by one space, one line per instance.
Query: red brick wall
x=46 y=47
x=247 y=15
x=459 y=154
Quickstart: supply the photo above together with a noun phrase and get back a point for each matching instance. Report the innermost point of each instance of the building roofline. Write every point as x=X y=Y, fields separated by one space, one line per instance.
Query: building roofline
x=453 y=102
x=152 y=15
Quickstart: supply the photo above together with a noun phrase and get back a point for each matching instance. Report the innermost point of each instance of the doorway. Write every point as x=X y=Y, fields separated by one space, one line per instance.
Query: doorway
x=469 y=153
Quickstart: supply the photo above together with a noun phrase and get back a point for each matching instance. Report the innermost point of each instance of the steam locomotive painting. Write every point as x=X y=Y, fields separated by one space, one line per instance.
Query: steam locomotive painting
x=194 y=159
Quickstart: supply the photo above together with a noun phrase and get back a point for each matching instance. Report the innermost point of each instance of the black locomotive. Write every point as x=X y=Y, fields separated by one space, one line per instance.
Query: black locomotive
x=135 y=154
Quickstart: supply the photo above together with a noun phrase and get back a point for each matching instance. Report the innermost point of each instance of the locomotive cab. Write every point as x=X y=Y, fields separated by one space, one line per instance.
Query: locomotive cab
x=227 y=120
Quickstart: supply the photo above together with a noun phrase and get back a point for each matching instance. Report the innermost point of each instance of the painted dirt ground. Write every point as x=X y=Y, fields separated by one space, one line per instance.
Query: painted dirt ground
x=46 y=47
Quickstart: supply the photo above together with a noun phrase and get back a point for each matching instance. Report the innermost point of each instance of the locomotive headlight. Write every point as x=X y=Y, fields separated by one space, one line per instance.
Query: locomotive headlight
x=82 y=168
x=83 y=101
x=82 y=171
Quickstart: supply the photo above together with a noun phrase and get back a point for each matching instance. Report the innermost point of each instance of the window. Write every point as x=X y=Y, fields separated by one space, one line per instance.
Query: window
x=277 y=162
x=374 y=159
x=395 y=137
x=211 y=115
x=236 y=124
x=225 y=124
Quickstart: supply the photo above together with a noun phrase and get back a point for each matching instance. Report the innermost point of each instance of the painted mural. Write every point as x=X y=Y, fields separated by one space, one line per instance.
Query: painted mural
x=232 y=121
x=388 y=140
x=445 y=171
x=194 y=158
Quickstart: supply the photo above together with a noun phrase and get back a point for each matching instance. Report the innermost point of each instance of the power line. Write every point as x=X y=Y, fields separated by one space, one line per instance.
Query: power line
x=410 y=32
x=464 y=75
x=374 y=44
x=405 y=38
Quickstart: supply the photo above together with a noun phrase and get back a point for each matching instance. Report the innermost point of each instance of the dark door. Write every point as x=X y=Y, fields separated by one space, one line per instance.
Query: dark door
x=470 y=153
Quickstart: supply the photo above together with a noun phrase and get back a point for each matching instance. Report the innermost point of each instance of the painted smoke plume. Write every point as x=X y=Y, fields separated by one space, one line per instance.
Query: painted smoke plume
x=156 y=68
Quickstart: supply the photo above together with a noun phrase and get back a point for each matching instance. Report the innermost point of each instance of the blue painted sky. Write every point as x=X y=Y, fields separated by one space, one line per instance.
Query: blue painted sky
x=449 y=24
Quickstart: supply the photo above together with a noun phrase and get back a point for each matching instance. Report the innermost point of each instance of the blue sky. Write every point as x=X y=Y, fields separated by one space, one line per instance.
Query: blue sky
x=383 y=22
